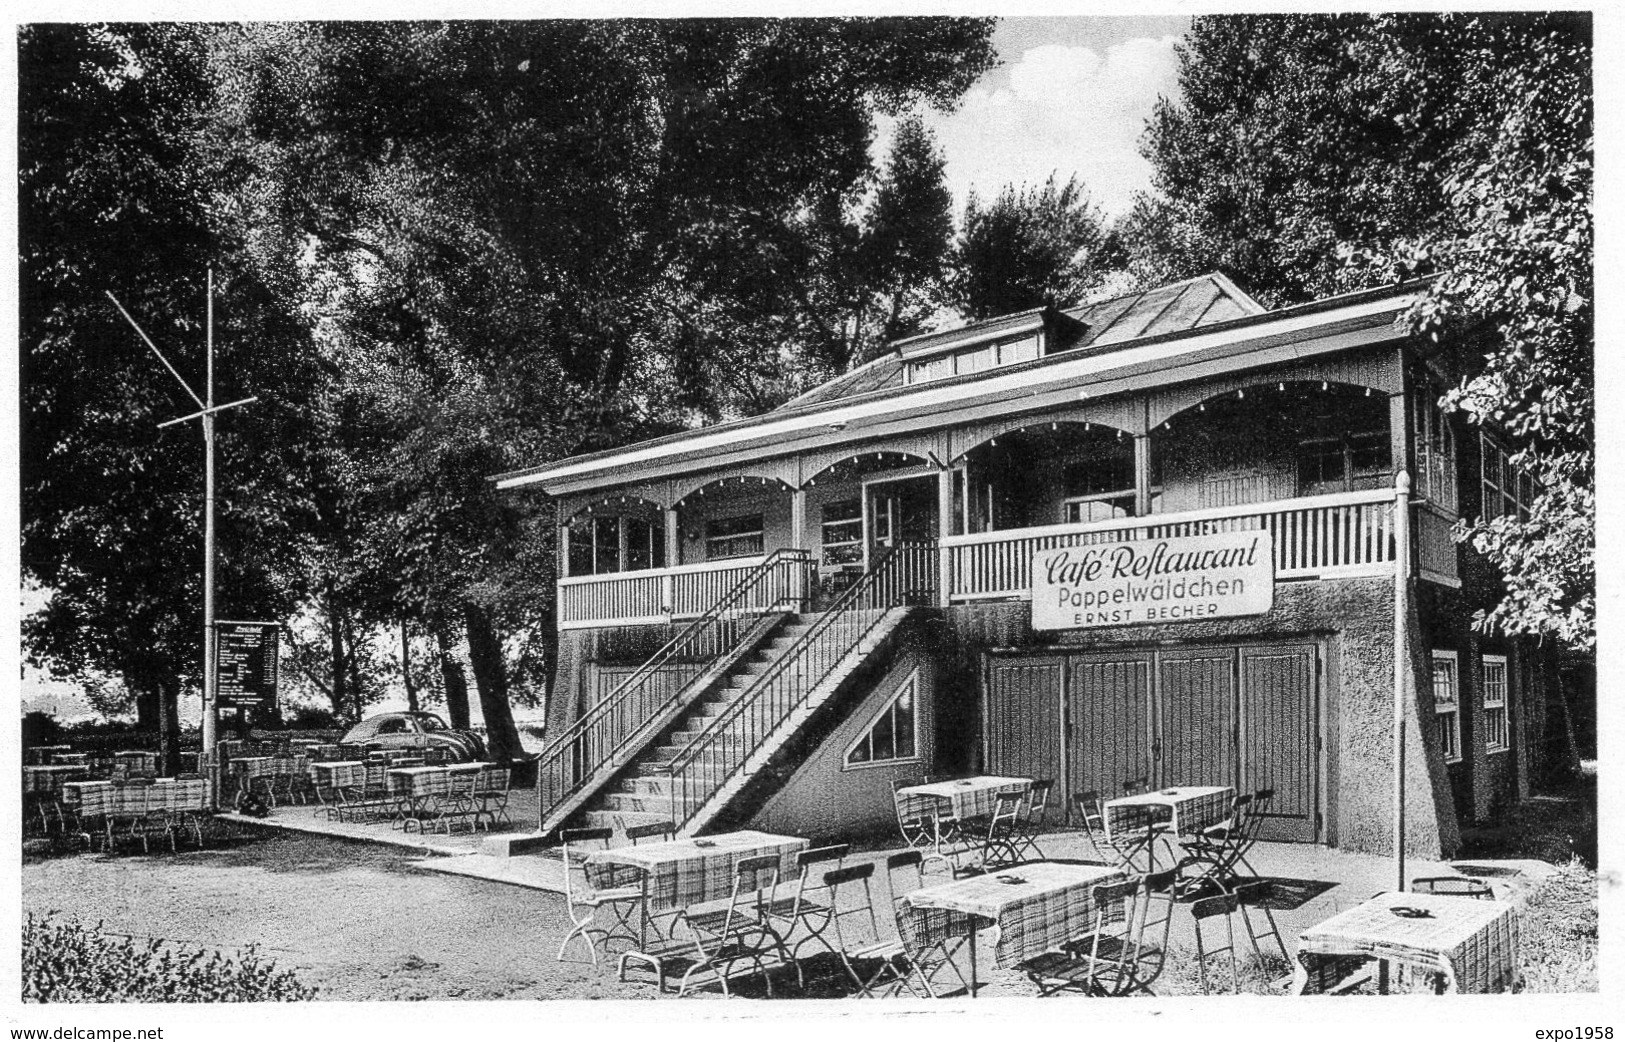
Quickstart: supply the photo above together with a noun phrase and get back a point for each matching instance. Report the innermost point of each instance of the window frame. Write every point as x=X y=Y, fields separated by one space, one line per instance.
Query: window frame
x=1450 y=748
x=1434 y=444
x=1496 y=708
x=908 y=688
x=759 y=532
x=1512 y=487
x=825 y=523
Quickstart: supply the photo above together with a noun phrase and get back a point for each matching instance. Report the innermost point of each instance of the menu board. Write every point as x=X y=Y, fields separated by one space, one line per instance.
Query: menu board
x=245 y=664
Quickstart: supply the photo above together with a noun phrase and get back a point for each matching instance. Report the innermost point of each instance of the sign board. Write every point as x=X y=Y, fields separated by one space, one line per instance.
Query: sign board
x=245 y=664
x=1150 y=581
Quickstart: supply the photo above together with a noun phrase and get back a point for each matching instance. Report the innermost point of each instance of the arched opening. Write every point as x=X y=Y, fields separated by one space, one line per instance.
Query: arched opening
x=1273 y=441
x=733 y=519
x=864 y=503
x=1047 y=473
x=615 y=534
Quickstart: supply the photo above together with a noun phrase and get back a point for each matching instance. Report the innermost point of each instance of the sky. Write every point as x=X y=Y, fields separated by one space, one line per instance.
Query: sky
x=1071 y=96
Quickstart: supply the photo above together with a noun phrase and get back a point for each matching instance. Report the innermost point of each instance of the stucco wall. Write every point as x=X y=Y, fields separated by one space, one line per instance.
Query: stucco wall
x=1355 y=619
x=824 y=797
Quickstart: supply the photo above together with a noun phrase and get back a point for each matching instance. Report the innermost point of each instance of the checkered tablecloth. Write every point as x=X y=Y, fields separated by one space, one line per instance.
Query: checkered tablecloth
x=70 y=759
x=431 y=781
x=1473 y=943
x=43 y=755
x=137 y=759
x=1048 y=905
x=688 y=872
x=48 y=779
x=270 y=766
x=968 y=797
x=94 y=799
x=1192 y=808
x=340 y=774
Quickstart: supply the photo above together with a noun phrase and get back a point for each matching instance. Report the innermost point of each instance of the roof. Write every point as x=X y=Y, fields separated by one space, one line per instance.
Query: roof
x=1175 y=308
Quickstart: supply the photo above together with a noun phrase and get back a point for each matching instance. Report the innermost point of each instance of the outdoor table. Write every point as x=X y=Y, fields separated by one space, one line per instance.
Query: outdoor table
x=48 y=780
x=1192 y=808
x=42 y=755
x=1034 y=908
x=1471 y=945
x=967 y=797
x=345 y=779
x=73 y=759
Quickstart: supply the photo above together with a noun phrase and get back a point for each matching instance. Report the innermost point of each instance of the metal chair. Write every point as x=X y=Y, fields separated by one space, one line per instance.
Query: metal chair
x=1158 y=899
x=812 y=906
x=1214 y=853
x=1454 y=886
x=1030 y=826
x=491 y=797
x=919 y=820
x=1086 y=811
x=1003 y=831
x=737 y=932
x=857 y=929
x=1203 y=910
x=661 y=831
x=1102 y=961
x=1256 y=896
x=621 y=901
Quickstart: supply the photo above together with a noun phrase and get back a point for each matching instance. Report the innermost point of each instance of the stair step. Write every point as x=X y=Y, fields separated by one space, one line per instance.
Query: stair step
x=621 y=802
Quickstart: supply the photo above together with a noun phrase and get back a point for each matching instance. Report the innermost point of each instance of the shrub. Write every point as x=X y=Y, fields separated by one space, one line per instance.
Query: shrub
x=1558 y=945
x=40 y=728
x=65 y=961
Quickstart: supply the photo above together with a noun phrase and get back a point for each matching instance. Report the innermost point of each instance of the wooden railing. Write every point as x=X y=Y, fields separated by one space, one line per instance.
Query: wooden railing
x=650 y=596
x=1317 y=536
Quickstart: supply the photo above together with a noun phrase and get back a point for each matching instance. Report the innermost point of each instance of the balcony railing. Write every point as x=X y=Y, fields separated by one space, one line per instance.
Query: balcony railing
x=1336 y=536
x=1317 y=536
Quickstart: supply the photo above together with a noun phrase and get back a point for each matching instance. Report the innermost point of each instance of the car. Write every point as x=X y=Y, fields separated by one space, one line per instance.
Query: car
x=406 y=731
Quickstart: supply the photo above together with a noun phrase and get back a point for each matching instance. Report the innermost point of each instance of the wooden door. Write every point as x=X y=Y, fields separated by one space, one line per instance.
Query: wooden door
x=1196 y=717
x=1109 y=725
x=1022 y=716
x=1279 y=729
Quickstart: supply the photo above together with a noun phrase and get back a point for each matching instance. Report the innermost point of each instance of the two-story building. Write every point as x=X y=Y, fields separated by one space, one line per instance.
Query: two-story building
x=774 y=619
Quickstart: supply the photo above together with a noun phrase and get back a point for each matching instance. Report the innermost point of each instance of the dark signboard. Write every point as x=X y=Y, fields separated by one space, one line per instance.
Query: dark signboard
x=245 y=664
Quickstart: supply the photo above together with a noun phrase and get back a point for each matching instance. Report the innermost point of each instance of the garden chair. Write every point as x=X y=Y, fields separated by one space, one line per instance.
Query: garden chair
x=1101 y=962
x=491 y=797
x=1203 y=910
x=1213 y=854
x=458 y=806
x=1454 y=886
x=811 y=907
x=582 y=902
x=1086 y=812
x=856 y=927
x=1256 y=896
x=1030 y=825
x=658 y=831
x=917 y=818
x=1158 y=898
x=1000 y=841
x=737 y=932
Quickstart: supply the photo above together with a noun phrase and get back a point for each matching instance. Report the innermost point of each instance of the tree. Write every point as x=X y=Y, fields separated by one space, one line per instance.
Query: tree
x=1029 y=247
x=1313 y=154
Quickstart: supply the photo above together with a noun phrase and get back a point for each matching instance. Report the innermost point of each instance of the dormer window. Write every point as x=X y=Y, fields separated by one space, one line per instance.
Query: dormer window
x=973 y=359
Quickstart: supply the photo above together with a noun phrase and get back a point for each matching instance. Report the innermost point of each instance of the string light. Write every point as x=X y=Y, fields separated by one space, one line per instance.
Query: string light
x=1280 y=386
x=1240 y=395
x=1323 y=385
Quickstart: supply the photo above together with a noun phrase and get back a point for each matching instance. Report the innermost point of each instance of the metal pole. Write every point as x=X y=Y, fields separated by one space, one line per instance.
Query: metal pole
x=1402 y=657
x=212 y=770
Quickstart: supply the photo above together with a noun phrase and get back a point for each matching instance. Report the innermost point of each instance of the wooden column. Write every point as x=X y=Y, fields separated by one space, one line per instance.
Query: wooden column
x=945 y=528
x=564 y=551
x=798 y=519
x=668 y=584
x=1142 y=474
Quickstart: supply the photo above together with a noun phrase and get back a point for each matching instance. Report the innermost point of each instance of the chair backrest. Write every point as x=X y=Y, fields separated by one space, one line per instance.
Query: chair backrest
x=1262 y=799
x=810 y=887
x=911 y=864
x=1038 y=798
x=1114 y=931
x=1135 y=786
x=1086 y=808
x=496 y=779
x=1454 y=886
x=662 y=830
x=1207 y=908
x=756 y=881
x=574 y=858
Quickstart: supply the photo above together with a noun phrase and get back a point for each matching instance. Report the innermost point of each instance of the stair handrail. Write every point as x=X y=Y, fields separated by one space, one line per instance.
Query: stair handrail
x=567 y=763
x=904 y=574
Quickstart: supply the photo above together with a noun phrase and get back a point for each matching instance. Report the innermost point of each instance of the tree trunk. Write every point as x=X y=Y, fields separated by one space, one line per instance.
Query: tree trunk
x=335 y=632
x=491 y=674
x=456 y=683
x=406 y=670
x=169 y=729
x=352 y=662
x=146 y=704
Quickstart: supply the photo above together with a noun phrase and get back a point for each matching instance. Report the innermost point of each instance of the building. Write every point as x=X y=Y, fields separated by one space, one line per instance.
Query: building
x=1154 y=537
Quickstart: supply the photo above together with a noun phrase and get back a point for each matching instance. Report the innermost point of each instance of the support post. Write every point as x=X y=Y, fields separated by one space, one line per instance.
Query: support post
x=211 y=772
x=798 y=519
x=1142 y=474
x=668 y=583
x=945 y=528
x=1402 y=657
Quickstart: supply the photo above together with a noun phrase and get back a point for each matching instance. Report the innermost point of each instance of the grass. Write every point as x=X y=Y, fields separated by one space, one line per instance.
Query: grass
x=66 y=961
x=1559 y=937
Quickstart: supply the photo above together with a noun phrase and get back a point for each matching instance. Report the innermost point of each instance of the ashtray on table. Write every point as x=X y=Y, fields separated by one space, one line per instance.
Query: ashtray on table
x=705 y=843
x=1010 y=879
x=1407 y=912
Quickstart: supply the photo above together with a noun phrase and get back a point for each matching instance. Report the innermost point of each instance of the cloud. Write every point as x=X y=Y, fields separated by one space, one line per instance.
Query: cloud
x=1064 y=110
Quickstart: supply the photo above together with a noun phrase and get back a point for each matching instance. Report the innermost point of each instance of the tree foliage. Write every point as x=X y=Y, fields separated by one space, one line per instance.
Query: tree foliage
x=1031 y=246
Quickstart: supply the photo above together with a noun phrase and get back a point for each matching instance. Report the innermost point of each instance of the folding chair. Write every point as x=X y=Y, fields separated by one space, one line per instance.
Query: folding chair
x=1215 y=851
x=1101 y=962
x=1003 y=831
x=857 y=928
x=1454 y=886
x=1157 y=902
x=1030 y=825
x=491 y=797
x=919 y=820
x=811 y=906
x=1256 y=896
x=621 y=902
x=1086 y=811
x=660 y=831
x=1203 y=910
x=722 y=938
x=929 y=949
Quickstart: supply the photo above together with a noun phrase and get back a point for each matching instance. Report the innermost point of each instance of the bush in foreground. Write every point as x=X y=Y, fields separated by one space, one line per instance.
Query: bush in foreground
x=66 y=961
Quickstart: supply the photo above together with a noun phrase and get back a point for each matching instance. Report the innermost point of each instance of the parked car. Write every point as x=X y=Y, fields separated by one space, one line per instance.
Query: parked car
x=415 y=731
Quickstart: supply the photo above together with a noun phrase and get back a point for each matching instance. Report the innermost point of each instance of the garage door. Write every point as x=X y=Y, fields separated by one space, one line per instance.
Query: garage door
x=1243 y=716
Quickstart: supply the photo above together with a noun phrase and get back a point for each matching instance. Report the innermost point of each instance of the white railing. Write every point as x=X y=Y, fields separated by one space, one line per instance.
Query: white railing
x=650 y=596
x=1316 y=536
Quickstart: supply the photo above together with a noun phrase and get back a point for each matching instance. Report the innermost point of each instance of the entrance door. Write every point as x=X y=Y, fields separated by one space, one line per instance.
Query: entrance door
x=1196 y=717
x=901 y=510
x=1109 y=700
x=1023 y=716
x=1278 y=737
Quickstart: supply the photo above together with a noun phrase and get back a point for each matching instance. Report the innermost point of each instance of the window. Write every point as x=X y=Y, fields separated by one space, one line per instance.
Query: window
x=733 y=537
x=1496 y=735
x=1101 y=487
x=603 y=544
x=975 y=360
x=892 y=736
x=843 y=532
x=1446 y=706
x=931 y=369
x=1507 y=489
x=1349 y=462
x=1435 y=451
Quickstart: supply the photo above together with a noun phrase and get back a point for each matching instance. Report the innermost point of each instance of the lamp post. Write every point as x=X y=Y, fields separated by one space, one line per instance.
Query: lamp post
x=206 y=411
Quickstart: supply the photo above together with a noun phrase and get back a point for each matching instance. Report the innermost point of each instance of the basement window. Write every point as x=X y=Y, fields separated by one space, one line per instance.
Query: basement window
x=893 y=736
x=1447 y=705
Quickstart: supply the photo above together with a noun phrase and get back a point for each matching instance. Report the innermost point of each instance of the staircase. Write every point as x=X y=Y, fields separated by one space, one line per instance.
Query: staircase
x=684 y=760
